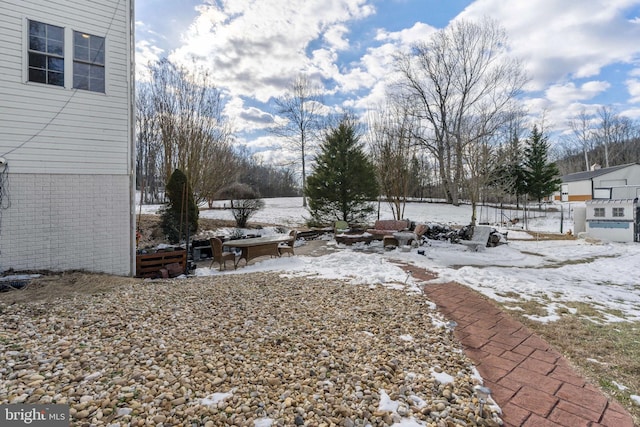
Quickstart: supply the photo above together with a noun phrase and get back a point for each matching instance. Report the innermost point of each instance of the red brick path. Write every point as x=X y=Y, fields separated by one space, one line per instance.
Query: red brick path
x=533 y=384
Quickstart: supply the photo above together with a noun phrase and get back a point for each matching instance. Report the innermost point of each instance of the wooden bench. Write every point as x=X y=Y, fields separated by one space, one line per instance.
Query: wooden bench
x=150 y=265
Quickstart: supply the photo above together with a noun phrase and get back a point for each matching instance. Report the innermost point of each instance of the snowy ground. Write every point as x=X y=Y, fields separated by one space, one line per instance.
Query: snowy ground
x=553 y=273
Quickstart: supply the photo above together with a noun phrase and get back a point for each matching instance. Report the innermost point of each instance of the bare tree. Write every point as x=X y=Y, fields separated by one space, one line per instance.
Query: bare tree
x=148 y=147
x=461 y=82
x=611 y=131
x=301 y=110
x=479 y=161
x=583 y=135
x=194 y=132
x=393 y=149
x=221 y=169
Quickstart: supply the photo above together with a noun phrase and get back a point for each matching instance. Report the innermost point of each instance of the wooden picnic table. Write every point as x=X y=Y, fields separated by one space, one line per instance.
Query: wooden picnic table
x=257 y=246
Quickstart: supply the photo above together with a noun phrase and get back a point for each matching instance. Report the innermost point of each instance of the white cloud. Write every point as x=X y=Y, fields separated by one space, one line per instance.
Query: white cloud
x=569 y=92
x=146 y=53
x=418 y=32
x=257 y=48
x=632 y=113
x=633 y=85
x=574 y=39
x=335 y=37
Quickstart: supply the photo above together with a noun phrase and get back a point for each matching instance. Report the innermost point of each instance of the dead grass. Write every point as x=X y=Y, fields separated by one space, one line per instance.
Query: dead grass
x=149 y=227
x=603 y=352
x=65 y=285
x=530 y=307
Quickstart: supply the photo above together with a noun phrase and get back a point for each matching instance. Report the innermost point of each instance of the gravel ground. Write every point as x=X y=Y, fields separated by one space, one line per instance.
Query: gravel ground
x=243 y=350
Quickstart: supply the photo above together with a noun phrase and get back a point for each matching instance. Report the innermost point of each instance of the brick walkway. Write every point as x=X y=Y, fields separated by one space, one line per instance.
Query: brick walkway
x=533 y=384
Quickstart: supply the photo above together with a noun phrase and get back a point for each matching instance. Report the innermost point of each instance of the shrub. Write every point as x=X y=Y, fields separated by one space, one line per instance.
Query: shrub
x=181 y=207
x=245 y=202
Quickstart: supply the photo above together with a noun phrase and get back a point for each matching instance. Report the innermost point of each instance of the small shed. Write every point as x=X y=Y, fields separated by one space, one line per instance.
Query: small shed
x=613 y=220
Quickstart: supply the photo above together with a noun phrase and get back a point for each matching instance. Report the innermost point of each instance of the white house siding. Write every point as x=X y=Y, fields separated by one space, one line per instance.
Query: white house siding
x=69 y=152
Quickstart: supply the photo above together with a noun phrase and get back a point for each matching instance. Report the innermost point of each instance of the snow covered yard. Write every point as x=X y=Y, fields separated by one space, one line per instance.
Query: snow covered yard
x=583 y=296
x=555 y=274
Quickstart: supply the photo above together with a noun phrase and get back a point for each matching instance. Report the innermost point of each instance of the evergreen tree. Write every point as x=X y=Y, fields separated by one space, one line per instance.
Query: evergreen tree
x=509 y=176
x=540 y=175
x=343 y=183
x=181 y=207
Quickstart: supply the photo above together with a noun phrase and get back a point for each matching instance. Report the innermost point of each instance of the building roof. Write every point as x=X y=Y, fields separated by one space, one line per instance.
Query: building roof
x=610 y=202
x=582 y=176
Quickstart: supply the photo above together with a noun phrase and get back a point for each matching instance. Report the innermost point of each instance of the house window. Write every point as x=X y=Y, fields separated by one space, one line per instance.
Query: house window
x=618 y=212
x=598 y=212
x=46 y=53
x=88 y=62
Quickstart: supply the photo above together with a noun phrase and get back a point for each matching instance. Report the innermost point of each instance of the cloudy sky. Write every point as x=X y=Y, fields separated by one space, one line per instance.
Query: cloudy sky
x=579 y=54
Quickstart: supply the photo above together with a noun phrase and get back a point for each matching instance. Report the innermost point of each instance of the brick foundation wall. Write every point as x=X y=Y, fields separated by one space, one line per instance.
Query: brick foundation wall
x=66 y=222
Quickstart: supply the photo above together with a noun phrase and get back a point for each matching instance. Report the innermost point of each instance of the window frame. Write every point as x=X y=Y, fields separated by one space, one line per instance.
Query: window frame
x=599 y=212
x=618 y=212
x=48 y=56
x=98 y=64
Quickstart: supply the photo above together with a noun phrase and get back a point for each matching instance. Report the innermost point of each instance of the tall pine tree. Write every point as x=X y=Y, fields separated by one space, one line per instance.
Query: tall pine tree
x=540 y=175
x=343 y=183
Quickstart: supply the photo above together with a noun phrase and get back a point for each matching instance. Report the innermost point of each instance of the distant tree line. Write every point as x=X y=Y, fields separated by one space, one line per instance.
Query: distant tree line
x=603 y=137
x=451 y=128
x=180 y=125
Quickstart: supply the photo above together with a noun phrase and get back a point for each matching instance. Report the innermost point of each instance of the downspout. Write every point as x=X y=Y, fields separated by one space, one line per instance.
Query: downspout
x=132 y=151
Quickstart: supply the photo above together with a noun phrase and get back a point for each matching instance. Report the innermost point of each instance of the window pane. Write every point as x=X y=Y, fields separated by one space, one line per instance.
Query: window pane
x=80 y=69
x=55 y=33
x=97 y=56
x=37 y=75
x=97 y=72
x=37 y=29
x=37 y=43
x=37 y=60
x=81 y=53
x=80 y=39
x=80 y=82
x=97 y=85
x=97 y=49
x=56 y=47
x=56 y=64
x=56 y=78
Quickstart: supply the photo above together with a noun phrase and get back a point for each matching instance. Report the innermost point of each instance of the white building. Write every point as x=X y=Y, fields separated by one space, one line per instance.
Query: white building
x=613 y=220
x=602 y=183
x=66 y=136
